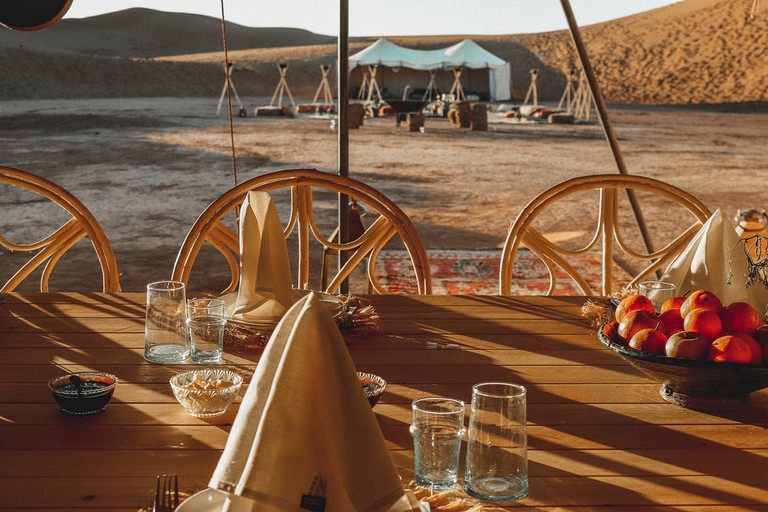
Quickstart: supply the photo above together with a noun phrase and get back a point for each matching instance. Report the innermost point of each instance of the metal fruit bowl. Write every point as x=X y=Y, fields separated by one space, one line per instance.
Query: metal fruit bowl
x=695 y=384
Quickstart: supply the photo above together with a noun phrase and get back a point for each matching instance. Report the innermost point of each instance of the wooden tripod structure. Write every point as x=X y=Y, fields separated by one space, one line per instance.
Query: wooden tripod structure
x=577 y=97
x=363 y=92
x=373 y=86
x=282 y=88
x=582 y=101
x=456 y=90
x=569 y=92
x=431 y=87
x=228 y=80
x=325 y=87
x=533 y=89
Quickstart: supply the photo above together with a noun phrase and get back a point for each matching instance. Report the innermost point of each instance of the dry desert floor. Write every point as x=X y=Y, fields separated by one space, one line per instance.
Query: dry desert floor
x=147 y=167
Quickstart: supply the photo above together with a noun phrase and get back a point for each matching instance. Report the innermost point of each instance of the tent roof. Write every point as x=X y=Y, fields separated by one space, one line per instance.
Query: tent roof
x=466 y=54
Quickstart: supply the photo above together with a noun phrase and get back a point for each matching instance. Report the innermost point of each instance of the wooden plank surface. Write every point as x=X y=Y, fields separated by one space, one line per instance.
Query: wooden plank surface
x=599 y=433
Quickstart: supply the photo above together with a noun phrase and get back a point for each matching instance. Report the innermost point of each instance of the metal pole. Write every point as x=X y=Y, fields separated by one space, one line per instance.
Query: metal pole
x=343 y=127
x=603 y=114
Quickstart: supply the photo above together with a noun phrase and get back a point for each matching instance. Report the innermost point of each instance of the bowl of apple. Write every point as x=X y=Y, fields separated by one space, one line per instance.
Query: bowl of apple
x=707 y=356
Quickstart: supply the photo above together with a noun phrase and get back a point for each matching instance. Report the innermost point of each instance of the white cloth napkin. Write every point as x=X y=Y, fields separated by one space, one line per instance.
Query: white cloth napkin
x=704 y=264
x=265 y=292
x=305 y=432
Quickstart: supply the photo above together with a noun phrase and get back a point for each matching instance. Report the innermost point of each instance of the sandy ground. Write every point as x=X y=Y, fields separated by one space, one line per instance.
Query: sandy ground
x=147 y=167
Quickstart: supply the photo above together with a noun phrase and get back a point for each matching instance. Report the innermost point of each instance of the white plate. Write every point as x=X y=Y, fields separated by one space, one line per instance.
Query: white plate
x=207 y=500
x=212 y=500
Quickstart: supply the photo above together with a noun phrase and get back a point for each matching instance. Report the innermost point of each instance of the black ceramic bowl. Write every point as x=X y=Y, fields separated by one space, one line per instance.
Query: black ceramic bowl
x=373 y=386
x=83 y=392
x=695 y=384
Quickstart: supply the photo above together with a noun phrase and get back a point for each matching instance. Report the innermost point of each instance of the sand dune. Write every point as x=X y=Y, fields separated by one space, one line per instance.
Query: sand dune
x=693 y=52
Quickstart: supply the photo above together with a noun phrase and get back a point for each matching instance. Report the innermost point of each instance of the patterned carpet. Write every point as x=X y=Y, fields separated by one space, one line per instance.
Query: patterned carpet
x=476 y=272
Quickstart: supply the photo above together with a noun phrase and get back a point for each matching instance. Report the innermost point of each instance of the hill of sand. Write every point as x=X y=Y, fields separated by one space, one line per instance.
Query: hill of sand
x=693 y=52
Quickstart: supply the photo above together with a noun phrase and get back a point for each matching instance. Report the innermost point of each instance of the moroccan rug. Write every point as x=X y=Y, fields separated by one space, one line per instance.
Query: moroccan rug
x=476 y=272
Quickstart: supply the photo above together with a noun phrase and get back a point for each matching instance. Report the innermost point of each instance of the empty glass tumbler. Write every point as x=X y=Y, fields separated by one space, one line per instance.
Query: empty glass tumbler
x=657 y=292
x=165 y=331
x=205 y=323
x=497 y=459
x=437 y=430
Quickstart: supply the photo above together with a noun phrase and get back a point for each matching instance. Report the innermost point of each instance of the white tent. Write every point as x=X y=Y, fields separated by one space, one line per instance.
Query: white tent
x=466 y=54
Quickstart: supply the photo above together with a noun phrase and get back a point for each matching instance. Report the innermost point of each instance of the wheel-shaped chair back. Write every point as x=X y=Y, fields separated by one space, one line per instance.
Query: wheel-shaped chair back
x=607 y=237
x=388 y=221
x=49 y=250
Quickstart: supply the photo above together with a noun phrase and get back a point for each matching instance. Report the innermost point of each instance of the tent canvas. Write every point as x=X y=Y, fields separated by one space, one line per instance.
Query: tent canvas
x=466 y=54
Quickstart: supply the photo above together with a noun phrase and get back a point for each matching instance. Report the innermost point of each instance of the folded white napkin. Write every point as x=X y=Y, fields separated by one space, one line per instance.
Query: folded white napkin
x=707 y=261
x=305 y=437
x=265 y=292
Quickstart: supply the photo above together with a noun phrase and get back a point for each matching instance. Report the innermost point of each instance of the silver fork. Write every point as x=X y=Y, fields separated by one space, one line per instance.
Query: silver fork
x=166 y=493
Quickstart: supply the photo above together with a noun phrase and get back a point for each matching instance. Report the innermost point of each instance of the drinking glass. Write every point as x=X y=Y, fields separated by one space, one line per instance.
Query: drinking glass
x=165 y=331
x=656 y=291
x=437 y=430
x=205 y=323
x=497 y=458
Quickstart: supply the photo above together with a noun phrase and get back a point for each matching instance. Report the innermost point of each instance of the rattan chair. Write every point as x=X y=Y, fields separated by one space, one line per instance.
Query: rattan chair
x=51 y=248
x=303 y=183
x=607 y=233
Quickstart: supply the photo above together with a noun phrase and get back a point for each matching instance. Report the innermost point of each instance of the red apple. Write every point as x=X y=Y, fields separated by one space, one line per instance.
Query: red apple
x=730 y=349
x=754 y=346
x=652 y=341
x=633 y=302
x=671 y=321
x=671 y=303
x=701 y=299
x=740 y=316
x=703 y=321
x=635 y=321
x=687 y=345
x=761 y=335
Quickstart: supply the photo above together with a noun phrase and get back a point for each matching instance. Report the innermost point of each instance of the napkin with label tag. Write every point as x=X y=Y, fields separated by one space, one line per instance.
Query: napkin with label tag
x=265 y=292
x=711 y=257
x=305 y=437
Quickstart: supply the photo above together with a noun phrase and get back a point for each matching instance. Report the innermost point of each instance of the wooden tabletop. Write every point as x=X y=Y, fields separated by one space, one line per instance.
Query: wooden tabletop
x=599 y=433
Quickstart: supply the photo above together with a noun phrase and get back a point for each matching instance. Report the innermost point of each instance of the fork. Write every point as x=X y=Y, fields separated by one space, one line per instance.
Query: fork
x=167 y=495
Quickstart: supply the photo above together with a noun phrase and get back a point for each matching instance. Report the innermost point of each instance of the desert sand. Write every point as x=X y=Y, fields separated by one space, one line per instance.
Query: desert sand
x=139 y=141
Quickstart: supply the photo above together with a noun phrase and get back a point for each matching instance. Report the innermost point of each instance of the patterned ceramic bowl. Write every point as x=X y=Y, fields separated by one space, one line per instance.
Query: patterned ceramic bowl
x=373 y=386
x=83 y=392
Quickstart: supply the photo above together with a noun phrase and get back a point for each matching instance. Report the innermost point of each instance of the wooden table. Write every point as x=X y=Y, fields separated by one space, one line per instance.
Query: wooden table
x=599 y=433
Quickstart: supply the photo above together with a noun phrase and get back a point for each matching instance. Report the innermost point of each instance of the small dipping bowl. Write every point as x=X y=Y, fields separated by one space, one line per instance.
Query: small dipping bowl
x=83 y=393
x=206 y=393
x=373 y=386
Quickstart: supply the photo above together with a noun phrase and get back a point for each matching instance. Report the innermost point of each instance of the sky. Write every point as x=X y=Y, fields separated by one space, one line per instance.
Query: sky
x=391 y=17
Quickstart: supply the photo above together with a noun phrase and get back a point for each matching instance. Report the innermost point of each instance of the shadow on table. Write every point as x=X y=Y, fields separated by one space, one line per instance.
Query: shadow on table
x=611 y=445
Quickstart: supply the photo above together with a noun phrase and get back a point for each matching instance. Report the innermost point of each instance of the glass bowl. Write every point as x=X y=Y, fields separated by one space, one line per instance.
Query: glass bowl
x=206 y=393
x=83 y=393
x=373 y=386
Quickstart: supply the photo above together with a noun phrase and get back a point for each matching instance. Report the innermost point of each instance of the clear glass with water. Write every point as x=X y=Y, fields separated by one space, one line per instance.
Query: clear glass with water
x=205 y=324
x=165 y=331
x=437 y=430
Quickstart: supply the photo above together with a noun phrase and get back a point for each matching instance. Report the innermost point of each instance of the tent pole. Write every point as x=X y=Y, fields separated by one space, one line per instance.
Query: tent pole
x=603 y=114
x=343 y=127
